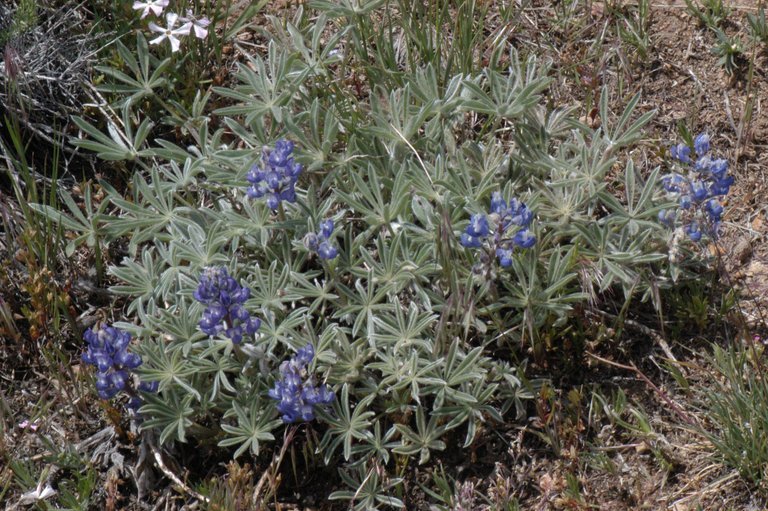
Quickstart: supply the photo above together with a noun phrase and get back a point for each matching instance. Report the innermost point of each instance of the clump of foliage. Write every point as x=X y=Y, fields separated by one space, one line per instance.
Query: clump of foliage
x=249 y=312
x=736 y=407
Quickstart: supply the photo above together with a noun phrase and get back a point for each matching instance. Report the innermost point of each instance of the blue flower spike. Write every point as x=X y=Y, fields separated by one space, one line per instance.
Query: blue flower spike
x=697 y=189
x=108 y=351
x=296 y=391
x=275 y=179
x=224 y=312
x=510 y=221
x=320 y=242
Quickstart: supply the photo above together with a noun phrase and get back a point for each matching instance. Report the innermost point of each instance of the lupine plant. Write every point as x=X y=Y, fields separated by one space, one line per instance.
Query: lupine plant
x=401 y=331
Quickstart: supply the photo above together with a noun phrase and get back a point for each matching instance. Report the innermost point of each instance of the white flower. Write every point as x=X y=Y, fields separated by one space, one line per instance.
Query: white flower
x=169 y=33
x=199 y=25
x=155 y=6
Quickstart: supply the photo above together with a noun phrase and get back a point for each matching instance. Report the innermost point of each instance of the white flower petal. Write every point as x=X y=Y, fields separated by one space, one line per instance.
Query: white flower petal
x=157 y=40
x=175 y=43
x=156 y=9
x=40 y=493
x=182 y=30
x=156 y=28
x=171 y=17
x=200 y=32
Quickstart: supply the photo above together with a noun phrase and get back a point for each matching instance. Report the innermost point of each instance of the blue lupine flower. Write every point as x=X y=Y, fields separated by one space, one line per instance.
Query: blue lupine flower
x=327 y=251
x=135 y=402
x=681 y=152
x=524 y=239
x=498 y=204
x=224 y=312
x=714 y=209
x=701 y=144
x=296 y=391
x=276 y=178
x=320 y=242
x=505 y=257
x=477 y=229
x=697 y=193
x=721 y=186
x=718 y=168
x=470 y=241
x=693 y=231
x=698 y=190
x=108 y=352
x=505 y=216
x=478 y=226
x=673 y=183
x=667 y=217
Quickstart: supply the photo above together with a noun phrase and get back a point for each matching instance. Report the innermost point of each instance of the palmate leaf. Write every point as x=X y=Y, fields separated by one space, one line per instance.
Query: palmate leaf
x=622 y=133
x=320 y=292
x=369 y=488
x=408 y=327
x=194 y=246
x=149 y=74
x=346 y=423
x=639 y=211
x=363 y=306
x=377 y=208
x=171 y=412
x=346 y=8
x=390 y=265
x=375 y=446
x=282 y=329
x=541 y=298
x=153 y=208
x=401 y=121
x=171 y=369
x=124 y=143
x=139 y=280
x=264 y=90
x=316 y=130
x=400 y=374
x=507 y=96
x=474 y=411
x=321 y=53
x=425 y=439
x=86 y=225
x=268 y=286
x=110 y=148
x=254 y=426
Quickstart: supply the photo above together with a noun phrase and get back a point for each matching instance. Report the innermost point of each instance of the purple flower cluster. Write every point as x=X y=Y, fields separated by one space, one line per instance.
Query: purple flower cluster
x=509 y=225
x=698 y=190
x=108 y=352
x=320 y=242
x=276 y=178
x=296 y=390
x=224 y=312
